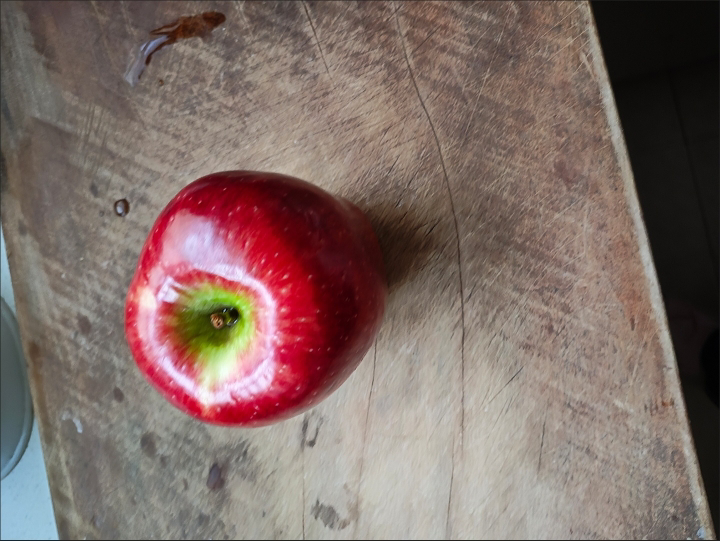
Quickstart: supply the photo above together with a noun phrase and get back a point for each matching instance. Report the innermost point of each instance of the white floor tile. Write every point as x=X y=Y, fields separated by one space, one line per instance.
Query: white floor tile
x=25 y=506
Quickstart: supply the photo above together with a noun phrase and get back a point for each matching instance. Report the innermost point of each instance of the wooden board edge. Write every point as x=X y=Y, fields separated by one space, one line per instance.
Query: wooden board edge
x=671 y=372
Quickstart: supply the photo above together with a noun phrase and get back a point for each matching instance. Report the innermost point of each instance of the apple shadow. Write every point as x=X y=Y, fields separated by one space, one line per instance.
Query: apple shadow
x=407 y=238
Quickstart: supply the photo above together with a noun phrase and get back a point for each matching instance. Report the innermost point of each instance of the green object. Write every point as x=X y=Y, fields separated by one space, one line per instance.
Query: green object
x=216 y=349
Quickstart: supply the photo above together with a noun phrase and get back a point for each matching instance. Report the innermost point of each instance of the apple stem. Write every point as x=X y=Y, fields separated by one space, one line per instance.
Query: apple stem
x=227 y=317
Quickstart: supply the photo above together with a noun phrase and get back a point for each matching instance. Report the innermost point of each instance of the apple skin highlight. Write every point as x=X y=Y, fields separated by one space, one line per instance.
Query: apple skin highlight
x=302 y=271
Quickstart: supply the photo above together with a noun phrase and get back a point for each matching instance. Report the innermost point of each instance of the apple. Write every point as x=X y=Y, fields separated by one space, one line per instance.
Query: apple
x=255 y=296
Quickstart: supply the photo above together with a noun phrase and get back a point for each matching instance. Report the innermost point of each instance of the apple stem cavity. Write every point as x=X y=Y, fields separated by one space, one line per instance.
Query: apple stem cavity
x=227 y=317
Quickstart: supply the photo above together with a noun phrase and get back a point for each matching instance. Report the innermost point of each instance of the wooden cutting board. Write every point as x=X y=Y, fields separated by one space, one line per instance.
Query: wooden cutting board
x=523 y=383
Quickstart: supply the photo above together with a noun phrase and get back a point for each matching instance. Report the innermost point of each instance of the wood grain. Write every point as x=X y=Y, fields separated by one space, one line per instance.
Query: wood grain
x=523 y=383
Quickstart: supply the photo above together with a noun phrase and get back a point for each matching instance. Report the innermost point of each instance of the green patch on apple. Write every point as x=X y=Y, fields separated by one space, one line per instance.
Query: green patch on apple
x=216 y=326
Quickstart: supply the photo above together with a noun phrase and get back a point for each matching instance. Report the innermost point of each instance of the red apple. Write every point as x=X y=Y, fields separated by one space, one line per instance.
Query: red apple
x=255 y=296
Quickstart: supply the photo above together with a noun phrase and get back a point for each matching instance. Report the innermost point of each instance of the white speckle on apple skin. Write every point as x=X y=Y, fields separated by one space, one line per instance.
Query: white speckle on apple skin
x=147 y=299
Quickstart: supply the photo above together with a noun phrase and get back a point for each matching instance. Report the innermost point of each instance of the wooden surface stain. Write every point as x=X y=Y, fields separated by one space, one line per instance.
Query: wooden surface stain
x=121 y=207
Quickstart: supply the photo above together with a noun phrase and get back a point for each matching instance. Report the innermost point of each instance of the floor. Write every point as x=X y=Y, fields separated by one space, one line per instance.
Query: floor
x=26 y=511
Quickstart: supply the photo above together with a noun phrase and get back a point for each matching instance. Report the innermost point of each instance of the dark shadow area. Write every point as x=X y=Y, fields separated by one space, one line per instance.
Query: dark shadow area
x=663 y=62
x=407 y=240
